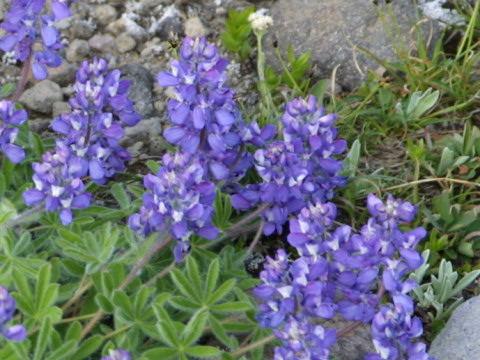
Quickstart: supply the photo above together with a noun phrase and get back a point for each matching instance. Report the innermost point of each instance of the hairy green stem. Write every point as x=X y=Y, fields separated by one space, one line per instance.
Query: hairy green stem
x=248 y=218
x=22 y=217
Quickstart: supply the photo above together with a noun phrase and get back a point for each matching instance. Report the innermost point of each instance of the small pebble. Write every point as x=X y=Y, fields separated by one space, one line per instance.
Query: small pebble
x=125 y=43
x=82 y=30
x=105 y=14
x=77 y=51
x=60 y=107
x=42 y=96
x=195 y=28
x=102 y=43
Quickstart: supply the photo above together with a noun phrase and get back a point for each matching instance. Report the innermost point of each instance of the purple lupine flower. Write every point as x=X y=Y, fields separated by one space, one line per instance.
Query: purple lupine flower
x=348 y=281
x=297 y=170
x=101 y=109
x=276 y=290
x=180 y=202
x=8 y=117
x=393 y=329
x=58 y=183
x=117 y=354
x=303 y=340
x=7 y=309
x=204 y=114
x=22 y=26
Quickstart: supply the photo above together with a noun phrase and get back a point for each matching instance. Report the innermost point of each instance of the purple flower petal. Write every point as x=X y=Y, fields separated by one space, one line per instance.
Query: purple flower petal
x=60 y=10
x=66 y=216
x=14 y=153
x=208 y=232
x=33 y=197
x=15 y=333
x=166 y=79
x=39 y=71
x=174 y=135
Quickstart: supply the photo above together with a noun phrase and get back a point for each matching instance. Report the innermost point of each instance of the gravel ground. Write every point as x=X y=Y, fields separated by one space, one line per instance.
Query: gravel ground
x=136 y=37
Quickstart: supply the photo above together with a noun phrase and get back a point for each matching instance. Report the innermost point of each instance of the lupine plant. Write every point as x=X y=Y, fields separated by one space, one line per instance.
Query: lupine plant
x=94 y=266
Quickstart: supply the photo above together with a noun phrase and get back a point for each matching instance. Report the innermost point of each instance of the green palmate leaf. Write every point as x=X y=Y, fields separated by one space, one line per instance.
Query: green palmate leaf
x=193 y=275
x=350 y=164
x=70 y=236
x=221 y=292
x=37 y=142
x=63 y=352
x=141 y=299
x=80 y=255
x=89 y=346
x=203 y=351
x=42 y=339
x=194 y=328
x=22 y=244
x=123 y=301
x=212 y=278
x=153 y=166
x=182 y=284
x=104 y=303
x=74 y=332
x=165 y=325
x=232 y=307
x=24 y=297
x=15 y=351
x=160 y=353
x=184 y=304
x=168 y=334
x=120 y=195
x=219 y=331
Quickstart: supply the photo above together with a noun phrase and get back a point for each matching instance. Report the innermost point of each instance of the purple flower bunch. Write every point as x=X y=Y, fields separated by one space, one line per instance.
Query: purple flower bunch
x=9 y=119
x=90 y=143
x=58 y=183
x=338 y=271
x=21 y=24
x=101 y=108
x=204 y=114
x=180 y=202
x=298 y=169
x=117 y=354
x=7 y=309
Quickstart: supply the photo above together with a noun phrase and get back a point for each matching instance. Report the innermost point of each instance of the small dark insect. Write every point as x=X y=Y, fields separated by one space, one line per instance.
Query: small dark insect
x=174 y=44
x=375 y=2
x=275 y=42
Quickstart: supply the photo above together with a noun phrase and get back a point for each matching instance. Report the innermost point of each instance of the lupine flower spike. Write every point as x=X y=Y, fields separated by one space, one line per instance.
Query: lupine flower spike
x=21 y=24
x=204 y=114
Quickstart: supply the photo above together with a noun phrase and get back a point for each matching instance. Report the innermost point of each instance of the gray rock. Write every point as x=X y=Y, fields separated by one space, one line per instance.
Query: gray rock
x=459 y=338
x=41 y=96
x=82 y=30
x=169 y=25
x=195 y=28
x=354 y=345
x=141 y=84
x=60 y=107
x=105 y=14
x=144 y=131
x=125 y=42
x=130 y=27
x=63 y=75
x=77 y=50
x=334 y=31
x=102 y=43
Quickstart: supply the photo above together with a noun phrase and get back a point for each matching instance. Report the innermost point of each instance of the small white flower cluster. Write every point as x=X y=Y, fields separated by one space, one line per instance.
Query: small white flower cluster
x=260 y=21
